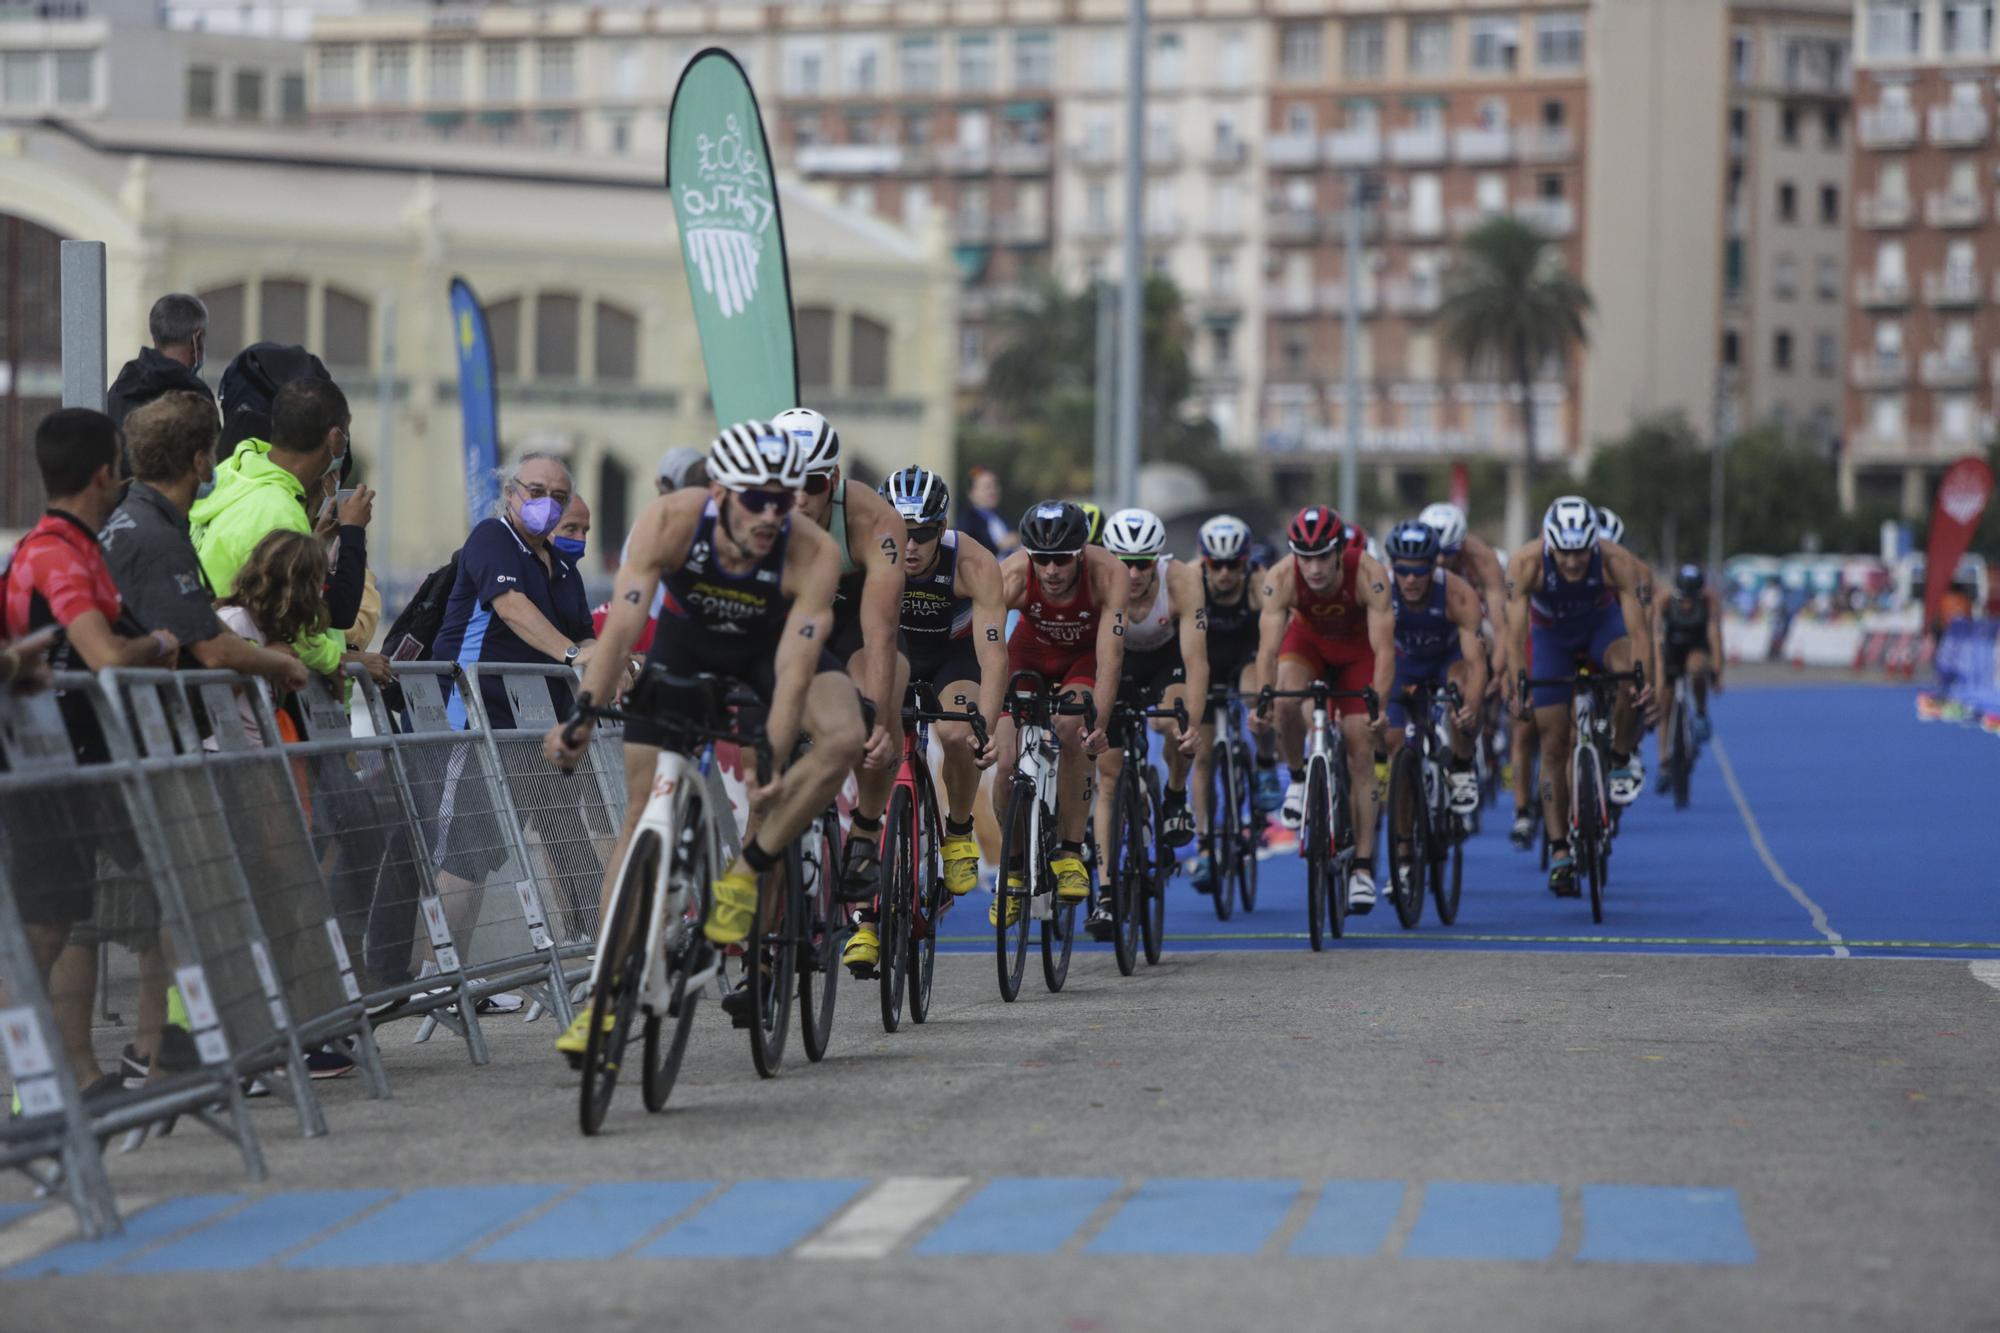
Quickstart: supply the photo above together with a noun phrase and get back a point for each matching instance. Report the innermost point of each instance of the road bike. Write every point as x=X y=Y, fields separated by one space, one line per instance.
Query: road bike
x=1326 y=833
x=1026 y=893
x=1236 y=827
x=1592 y=818
x=1140 y=861
x=1683 y=745
x=913 y=898
x=1426 y=837
x=652 y=958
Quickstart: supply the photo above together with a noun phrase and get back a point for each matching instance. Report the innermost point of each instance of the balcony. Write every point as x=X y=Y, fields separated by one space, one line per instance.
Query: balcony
x=1226 y=155
x=1029 y=158
x=1333 y=297
x=1546 y=144
x=1942 y=208
x=1958 y=126
x=1554 y=217
x=1354 y=148
x=1881 y=291
x=1222 y=230
x=1878 y=370
x=1407 y=224
x=1096 y=231
x=974 y=228
x=1881 y=212
x=966 y=159
x=1163 y=227
x=1292 y=150
x=1423 y=146
x=1888 y=127
x=1952 y=289
x=1485 y=144
x=1415 y=296
x=1950 y=370
x=1288 y=299
x=848 y=159
x=1219 y=303
x=1294 y=226
x=1014 y=229
x=1162 y=152
x=1093 y=155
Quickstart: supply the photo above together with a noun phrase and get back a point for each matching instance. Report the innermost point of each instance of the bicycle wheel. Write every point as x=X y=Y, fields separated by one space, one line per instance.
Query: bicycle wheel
x=1223 y=833
x=1058 y=939
x=1341 y=867
x=1587 y=853
x=1018 y=857
x=618 y=993
x=770 y=965
x=1319 y=855
x=1252 y=840
x=1447 y=880
x=893 y=923
x=822 y=923
x=1132 y=836
x=667 y=1034
x=930 y=897
x=1682 y=762
x=1408 y=859
x=1153 y=900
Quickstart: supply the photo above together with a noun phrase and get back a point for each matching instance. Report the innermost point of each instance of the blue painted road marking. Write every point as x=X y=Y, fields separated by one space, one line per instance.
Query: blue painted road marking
x=1020 y=1217
x=14 y=1212
x=1659 y=1224
x=1481 y=1221
x=598 y=1221
x=255 y=1235
x=1197 y=1217
x=755 y=1218
x=1352 y=1218
x=141 y=1229
x=428 y=1226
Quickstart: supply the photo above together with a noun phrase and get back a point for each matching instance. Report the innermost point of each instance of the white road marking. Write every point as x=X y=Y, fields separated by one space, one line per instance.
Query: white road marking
x=1988 y=973
x=54 y=1225
x=1799 y=895
x=884 y=1217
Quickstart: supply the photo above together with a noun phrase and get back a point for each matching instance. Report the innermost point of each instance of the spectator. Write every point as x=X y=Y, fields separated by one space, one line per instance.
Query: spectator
x=250 y=384
x=573 y=533
x=980 y=515
x=277 y=599
x=179 y=325
x=681 y=467
x=171 y=442
x=262 y=488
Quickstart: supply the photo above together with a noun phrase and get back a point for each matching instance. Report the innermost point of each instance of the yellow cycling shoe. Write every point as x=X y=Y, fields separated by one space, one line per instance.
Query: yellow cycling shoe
x=863 y=951
x=1072 y=880
x=734 y=910
x=961 y=864
x=575 y=1040
x=1014 y=882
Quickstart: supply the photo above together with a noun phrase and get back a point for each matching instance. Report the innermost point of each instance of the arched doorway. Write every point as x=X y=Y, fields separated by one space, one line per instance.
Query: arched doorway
x=30 y=359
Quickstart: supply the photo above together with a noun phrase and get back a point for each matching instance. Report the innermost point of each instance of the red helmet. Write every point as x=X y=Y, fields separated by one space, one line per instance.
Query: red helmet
x=1315 y=531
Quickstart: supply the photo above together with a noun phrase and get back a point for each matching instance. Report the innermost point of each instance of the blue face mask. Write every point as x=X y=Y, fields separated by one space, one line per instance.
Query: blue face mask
x=569 y=546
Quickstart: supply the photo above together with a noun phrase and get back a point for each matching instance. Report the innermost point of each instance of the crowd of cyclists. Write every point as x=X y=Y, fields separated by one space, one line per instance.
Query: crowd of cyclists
x=833 y=609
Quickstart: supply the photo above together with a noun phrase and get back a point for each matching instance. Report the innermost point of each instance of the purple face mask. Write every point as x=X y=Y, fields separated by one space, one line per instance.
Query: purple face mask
x=541 y=514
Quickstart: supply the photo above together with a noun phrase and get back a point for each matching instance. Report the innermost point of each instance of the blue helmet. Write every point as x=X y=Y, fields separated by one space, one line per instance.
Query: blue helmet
x=1412 y=543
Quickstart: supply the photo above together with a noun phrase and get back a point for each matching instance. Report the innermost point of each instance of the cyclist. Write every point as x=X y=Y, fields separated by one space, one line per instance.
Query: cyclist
x=1687 y=632
x=1437 y=638
x=951 y=624
x=869 y=535
x=1572 y=596
x=1166 y=661
x=1471 y=558
x=1093 y=519
x=1326 y=612
x=1068 y=593
x=1231 y=598
x=749 y=597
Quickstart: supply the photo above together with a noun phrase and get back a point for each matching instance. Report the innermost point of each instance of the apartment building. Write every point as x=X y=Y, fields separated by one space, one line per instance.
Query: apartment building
x=1923 y=311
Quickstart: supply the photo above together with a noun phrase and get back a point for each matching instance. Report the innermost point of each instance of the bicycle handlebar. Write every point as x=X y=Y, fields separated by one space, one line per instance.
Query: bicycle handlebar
x=914 y=710
x=1637 y=675
x=586 y=711
x=1038 y=691
x=1320 y=693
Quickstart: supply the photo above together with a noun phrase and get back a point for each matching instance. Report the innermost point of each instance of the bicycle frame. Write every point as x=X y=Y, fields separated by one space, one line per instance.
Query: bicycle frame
x=1429 y=701
x=668 y=811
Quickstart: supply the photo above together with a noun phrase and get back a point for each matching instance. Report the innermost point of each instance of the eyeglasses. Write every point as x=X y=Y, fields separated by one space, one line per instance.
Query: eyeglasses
x=1138 y=561
x=758 y=502
x=1056 y=558
x=1411 y=571
x=930 y=532
x=1213 y=563
x=819 y=483
x=535 y=491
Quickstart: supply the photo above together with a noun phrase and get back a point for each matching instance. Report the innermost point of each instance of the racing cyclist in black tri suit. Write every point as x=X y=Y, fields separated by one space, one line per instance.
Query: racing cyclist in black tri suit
x=1230 y=595
x=749 y=596
x=1687 y=632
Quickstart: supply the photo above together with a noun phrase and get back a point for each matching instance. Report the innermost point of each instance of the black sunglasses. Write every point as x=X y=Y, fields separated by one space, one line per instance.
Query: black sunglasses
x=1213 y=563
x=1057 y=558
x=1411 y=571
x=930 y=532
x=819 y=483
x=757 y=502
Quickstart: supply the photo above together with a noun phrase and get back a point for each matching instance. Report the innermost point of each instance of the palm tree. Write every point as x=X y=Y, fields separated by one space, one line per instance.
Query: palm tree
x=1510 y=308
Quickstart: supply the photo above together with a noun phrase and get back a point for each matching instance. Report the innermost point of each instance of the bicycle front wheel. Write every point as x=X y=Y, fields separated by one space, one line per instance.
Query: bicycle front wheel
x=1130 y=855
x=1153 y=889
x=1587 y=855
x=770 y=967
x=822 y=927
x=1447 y=880
x=893 y=924
x=617 y=995
x=667 y=1034
x=930 y=898
x=1408 y=836
x=1224 y=831
x=1020 y=868
x=1319 y=855
x=1340 y=866
x=1683 y=757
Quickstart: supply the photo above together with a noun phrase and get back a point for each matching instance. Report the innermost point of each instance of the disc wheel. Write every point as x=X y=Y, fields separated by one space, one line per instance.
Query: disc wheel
x=617 y=995
x=770 y=967
x=1408 y=854
x=1319 y=857
x=893 y=924
x=1019 y=859
x=930 y=897
x=822 y=929
x=667 y=1034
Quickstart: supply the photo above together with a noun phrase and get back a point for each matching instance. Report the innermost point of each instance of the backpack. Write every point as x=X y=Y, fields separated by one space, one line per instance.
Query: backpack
x=414 y=632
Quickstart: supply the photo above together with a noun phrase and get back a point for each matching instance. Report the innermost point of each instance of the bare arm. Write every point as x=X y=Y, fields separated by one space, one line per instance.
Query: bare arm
x=877 y=547
x=1373 y=584
x=101 y=647
x=1524 y=573
x=658 y=545
x=1462 y=604
x=233 y=652
x=979 y=578
x=1635 y=598
x=812 y=575
x=1493 y=593
x=1273 y=615
x=1714 y=635
x=1186 y=599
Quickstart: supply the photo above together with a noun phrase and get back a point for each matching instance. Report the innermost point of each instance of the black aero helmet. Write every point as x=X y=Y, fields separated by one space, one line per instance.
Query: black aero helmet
x=1688 y=580
x=1412 y=543
x=920 y=496
x=1054 y=527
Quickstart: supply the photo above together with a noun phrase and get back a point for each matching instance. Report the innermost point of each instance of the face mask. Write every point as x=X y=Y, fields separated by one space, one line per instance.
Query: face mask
x=541 y=514
x=569 y=546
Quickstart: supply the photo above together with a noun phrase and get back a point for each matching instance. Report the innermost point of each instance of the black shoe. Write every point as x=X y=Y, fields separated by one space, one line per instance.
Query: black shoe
x=860 y=869
x=105 y=1085
x=1176 y=820
x=1562 y=876
x=738 y=1006
x=1098 y=925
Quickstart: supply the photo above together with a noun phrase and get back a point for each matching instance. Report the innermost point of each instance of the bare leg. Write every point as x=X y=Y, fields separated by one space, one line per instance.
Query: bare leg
x=1292 y=715
x=832 y=715
x=72 y=984
x=1109 y=765
x=1553 y=723
x=873 y=785
x=1624 y=717
x=1361 y=781
x=1204 y=779
x=1072 y=777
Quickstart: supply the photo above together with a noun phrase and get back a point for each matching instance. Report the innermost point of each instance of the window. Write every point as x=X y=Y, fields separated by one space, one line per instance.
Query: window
x=1956 y=418
x=1958 y=263
x=617 y=344
x=1555 y=114
x=1742 y=58
x=555 y=336
x=1826 y=278
x=503 y=327
x=1731 y=349
x=1035 y=59
x=1430 y=46
x=1549 y=187
x=1829 y=126
x=292 y=97
x=1788 y=126
x=621 y=134
x=918 y=128
x=344 y=339
x=867 y=354
x=971 y=350
x=1495 y=45
x=249 y=94
x=281 y=311
x=447 y=73
x=1298 y=51
x=1426 y=216
x=76 y=78
x=1788 y=202
x=628 y=72
x=1107 y=58
x=200 y=92
x=805 y=68
x=1968 y=27
x=1829 y=205
x=1781 y=350
x=1300 y=119
x=1096 y=206
x=1895 y=28
x=1885 y=416
x=1233 y=58
x=1295 y=354
x=1364 y=48
x=1168 y=61
x=1222 y=273
x=1826 y=355
x=863 y=66
x=500 y=59
x=1221 y=338
x=1490 y=192
x=1785 y=277
x=919 y=60
x=1739 y=128
x=815 y=347
x=336 y=74
x=1890 y=268
x=805 y=129
x=975 y=63
x=225 y=321
x=1559 y=41
x=392 y=73
x=916 y=204
x=555 y=65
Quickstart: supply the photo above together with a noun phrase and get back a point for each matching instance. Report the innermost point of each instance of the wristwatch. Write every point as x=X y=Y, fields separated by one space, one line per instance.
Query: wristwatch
x=569 y=658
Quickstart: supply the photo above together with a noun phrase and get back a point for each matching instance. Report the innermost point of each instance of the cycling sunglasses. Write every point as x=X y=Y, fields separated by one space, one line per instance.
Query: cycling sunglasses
x=758 y=502
x=1411 y=571
x=1138 y=561
x=819 y=483
x=1213 y=563
x=1056 y=558
x=930 y=532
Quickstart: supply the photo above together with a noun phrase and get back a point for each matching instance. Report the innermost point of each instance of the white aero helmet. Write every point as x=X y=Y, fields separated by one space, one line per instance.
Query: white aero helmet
x=1610 y=526
x=1134 y=532
x=1448 y=522
x=755 y=454
x=818 y=441
x=1224 y=537
x=1570 y=524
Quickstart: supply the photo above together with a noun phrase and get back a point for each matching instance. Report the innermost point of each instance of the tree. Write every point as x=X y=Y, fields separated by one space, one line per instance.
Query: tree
x=1510 y=308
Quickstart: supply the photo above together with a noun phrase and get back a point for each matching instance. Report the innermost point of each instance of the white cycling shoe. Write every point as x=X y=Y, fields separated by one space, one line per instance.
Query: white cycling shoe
x=1361 y=893
x=1464 y=792
x=1626 y=784
x=1293 y=812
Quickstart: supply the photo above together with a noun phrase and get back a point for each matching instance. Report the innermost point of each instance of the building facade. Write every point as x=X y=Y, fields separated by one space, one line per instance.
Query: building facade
x=1923 y=312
